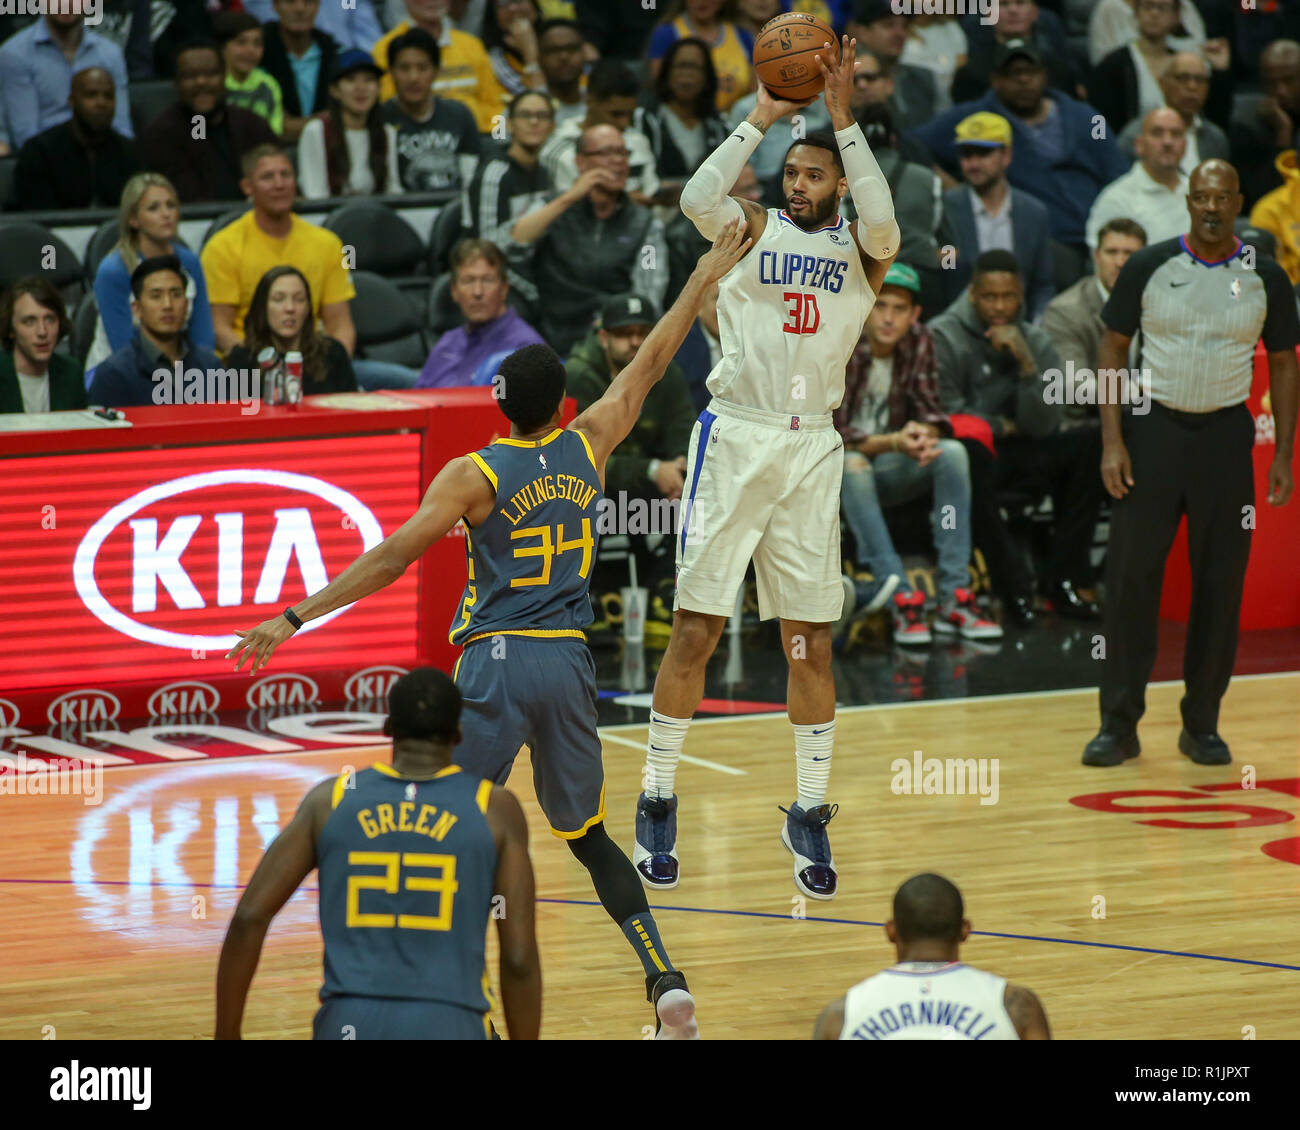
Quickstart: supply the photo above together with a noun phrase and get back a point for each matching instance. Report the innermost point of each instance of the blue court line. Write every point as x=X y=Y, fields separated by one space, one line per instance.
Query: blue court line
x=974 y=933
x=736 y=913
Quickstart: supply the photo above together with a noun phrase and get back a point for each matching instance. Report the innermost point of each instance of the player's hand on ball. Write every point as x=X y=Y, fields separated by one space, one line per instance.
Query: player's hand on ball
x=260 y=644
x=776 y=108
x=727 y=250
x=838 y=74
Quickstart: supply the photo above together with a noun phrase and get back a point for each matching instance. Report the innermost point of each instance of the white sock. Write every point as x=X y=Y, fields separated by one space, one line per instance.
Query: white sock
x=812 y=759
x=663 y=749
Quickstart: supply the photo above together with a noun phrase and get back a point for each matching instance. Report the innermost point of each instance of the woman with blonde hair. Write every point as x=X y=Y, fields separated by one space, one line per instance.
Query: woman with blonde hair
x=148 y=217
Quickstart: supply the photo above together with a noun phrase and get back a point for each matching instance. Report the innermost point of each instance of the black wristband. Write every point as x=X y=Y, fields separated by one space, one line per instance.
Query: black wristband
x=288 y=615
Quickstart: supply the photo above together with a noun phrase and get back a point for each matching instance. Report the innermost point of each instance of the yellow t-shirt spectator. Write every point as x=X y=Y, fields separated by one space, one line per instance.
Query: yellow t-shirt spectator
x=465 y=74
x=235 y=259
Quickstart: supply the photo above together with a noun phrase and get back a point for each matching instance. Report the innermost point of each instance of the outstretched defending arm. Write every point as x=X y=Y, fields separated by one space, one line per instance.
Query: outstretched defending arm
x=607 y=422
x=878 y=233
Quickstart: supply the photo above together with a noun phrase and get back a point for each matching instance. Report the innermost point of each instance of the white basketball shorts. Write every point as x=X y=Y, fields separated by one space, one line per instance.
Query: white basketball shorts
x=763 y=486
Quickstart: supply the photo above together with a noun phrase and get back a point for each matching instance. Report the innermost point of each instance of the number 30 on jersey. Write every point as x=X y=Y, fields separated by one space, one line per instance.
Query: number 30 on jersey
x=803 y=317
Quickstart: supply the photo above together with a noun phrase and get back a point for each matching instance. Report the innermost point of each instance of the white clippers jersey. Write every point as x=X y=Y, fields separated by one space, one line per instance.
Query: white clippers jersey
x=928 y=1000
x=793 y=307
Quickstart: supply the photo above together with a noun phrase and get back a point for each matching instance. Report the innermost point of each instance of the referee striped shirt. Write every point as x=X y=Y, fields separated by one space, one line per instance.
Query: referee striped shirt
x=1200 y=321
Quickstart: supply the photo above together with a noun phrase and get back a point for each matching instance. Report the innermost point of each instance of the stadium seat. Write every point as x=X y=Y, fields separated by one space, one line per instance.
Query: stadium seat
x=388 y=324
x=26 y=247
x=8 y=165
x=84 y=321
x=1068 y=266
x=101 y=243
x=448 y=230
x=148 y=99
x=221 y=221
x=383 y=243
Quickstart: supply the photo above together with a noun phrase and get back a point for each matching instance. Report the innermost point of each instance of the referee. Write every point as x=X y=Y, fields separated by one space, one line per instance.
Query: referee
x=1202 y=303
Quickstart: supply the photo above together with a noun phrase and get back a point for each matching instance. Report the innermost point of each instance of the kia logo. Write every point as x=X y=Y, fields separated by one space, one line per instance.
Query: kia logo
x=176 y=699
x=282 y=690
x=8 y=714
x=372 y=683
x=156 y=554
x=83 y=706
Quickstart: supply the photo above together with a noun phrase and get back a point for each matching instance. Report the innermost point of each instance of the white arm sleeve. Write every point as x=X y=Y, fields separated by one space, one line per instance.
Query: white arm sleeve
x=877 y=229
x=704 y=199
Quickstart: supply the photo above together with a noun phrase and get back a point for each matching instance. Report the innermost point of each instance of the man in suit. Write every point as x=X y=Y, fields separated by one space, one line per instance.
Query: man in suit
x=1056 y=154
x=1185 y=83
x=1073 y=318
x=880 y=29
x=33 y=378
x=986 y=212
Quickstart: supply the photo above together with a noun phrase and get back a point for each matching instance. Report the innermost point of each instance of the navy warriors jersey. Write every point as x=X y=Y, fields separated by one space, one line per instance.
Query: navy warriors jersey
x=790 y=314
x=530 y=561
x=406 y=876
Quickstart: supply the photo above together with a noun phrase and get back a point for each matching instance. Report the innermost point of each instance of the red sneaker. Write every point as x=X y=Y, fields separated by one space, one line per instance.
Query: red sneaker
x=910 y=627
x=961 y=617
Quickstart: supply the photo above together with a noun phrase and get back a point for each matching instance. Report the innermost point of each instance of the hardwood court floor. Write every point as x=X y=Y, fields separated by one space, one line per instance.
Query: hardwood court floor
x=112 y=916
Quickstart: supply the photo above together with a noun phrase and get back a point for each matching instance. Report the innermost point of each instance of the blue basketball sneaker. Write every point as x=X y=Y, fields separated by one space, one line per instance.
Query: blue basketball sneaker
x=804 y=836
x=655 y=852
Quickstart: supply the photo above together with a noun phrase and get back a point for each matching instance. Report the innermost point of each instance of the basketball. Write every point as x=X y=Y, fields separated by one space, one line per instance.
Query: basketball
x=784 y=55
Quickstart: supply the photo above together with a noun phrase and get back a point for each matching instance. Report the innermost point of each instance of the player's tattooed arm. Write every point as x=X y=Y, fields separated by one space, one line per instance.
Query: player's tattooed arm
x=287 y=862
x=831 y=1021
x=607 y=423
x=1026 y=1013
x=458 y=490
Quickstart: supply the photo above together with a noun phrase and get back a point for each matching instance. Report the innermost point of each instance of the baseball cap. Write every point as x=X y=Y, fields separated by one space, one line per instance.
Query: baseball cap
x=985 y=130
x=628 y=310
x=869 y=11
x=1016 y=49
x=900 y=274
x=353 y=60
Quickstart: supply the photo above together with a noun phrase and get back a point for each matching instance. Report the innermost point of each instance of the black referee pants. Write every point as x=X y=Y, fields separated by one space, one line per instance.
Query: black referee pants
x=1194 y=464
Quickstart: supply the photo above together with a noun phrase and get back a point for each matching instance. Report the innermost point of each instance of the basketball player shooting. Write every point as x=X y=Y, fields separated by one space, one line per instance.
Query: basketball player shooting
x=765 y=462
x=530 y=505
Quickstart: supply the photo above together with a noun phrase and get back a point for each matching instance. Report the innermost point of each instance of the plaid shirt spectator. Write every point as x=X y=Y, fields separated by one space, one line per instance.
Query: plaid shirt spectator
x=913 y=392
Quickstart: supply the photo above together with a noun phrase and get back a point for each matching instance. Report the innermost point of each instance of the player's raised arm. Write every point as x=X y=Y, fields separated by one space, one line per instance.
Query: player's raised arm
x=704 y=198
x=287 y=862
x=876 y=227
x=607 y=423
x=520 y=969
x=456 y=490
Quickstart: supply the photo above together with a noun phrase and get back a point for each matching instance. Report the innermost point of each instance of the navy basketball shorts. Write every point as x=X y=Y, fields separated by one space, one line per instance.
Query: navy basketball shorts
x=539 y=692
x=374 y=1018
